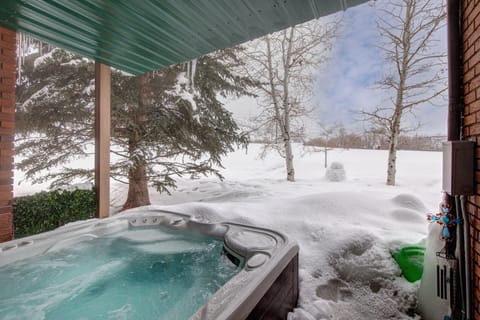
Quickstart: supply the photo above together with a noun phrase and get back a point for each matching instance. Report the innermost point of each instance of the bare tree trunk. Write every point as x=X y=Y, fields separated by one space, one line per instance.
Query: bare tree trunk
x=137 y=187
x=286 y=109
x=395 y=128
x=288 y=151
x=137 y=173
x=402 y=67
x=283 y=122
x=394 y=133
x=392 y=151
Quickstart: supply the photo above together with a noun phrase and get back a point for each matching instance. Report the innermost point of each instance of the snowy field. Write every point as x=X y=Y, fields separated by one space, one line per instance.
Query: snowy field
x=345 y=230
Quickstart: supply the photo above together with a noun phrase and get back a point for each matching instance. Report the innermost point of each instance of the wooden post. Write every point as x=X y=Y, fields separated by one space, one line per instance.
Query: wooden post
x=102 y=139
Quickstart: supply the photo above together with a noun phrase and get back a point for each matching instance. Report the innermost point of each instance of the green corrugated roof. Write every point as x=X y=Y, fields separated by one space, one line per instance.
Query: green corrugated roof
x=142 y=35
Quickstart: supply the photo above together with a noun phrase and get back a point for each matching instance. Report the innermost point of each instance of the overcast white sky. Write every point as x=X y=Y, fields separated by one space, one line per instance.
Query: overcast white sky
x=347 y=82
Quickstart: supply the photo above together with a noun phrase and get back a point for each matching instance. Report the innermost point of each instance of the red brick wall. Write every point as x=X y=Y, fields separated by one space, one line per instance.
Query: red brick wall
x=7 y=121
x=471 y=70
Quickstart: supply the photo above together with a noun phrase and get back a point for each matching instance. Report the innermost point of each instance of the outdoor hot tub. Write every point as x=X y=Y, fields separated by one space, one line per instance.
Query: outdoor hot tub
x=149 y=264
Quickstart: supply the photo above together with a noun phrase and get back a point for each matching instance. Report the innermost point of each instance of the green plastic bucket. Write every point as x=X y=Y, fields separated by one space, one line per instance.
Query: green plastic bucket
x=410 y=260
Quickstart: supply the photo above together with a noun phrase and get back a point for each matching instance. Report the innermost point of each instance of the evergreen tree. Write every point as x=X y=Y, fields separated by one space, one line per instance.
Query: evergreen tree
x=165 y=124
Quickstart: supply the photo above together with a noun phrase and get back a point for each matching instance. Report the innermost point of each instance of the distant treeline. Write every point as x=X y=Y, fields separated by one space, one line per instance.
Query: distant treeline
x=378 y=141
x=371 y=140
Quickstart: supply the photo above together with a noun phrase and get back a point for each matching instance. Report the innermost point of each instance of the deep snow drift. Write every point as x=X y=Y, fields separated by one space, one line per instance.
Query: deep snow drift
x=345 y=229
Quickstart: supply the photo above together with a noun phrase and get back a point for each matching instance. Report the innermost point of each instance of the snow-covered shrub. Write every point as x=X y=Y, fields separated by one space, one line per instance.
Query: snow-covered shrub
x=335 y=172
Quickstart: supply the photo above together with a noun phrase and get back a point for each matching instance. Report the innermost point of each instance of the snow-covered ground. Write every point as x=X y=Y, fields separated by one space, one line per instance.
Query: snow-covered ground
x=346 y=230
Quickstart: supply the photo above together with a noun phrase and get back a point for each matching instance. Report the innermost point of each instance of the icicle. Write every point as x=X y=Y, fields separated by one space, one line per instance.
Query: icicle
x=26 y=45
x=193 y=71
x=191 y=68
x=23 y=43
x=20 y=54
x=188 y=75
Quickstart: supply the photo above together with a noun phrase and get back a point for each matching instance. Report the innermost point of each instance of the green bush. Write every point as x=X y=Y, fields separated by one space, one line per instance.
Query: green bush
x=45 y=211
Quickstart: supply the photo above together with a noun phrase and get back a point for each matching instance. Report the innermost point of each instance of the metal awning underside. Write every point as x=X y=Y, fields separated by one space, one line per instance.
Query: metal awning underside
x=142 y=35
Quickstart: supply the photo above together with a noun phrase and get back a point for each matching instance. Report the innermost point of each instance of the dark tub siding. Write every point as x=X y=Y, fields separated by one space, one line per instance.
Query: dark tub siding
x=282 y=296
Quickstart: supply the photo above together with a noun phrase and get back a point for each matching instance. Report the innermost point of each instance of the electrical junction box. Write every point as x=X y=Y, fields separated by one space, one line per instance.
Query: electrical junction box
x=458 y=167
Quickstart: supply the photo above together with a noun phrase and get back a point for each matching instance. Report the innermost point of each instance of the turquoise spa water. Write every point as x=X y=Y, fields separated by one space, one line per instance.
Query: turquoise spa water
x=148 y=273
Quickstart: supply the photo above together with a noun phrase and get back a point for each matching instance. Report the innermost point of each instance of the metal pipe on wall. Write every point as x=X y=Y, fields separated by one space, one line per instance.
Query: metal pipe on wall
x=454 y=70
x=466 y=249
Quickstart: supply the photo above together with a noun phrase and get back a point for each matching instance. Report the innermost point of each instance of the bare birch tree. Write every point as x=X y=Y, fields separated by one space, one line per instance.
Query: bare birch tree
x=284 y=63
x=408 y=29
